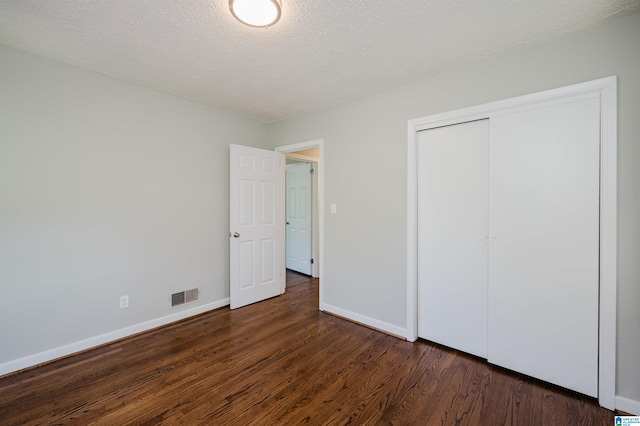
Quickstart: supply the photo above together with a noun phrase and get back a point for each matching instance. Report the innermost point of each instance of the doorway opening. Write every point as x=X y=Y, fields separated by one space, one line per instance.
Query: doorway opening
x=309 y=153
x=301 y=212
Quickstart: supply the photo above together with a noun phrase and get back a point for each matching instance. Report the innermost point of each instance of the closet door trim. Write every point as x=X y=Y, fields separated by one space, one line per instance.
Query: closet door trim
x=606 y=89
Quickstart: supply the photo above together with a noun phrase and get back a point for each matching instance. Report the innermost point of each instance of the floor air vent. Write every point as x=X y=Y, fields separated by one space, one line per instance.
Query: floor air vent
x=184 y=297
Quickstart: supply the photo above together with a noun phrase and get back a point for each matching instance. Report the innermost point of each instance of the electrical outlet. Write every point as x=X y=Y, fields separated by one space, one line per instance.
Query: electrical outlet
x=124 y=302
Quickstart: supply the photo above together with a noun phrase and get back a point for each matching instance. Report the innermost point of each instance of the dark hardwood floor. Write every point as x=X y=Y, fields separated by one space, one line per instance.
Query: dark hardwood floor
x=282 y=361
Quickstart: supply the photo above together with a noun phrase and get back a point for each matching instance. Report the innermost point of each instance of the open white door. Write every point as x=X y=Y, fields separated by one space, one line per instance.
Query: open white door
x=256 y=225
x=299 y=213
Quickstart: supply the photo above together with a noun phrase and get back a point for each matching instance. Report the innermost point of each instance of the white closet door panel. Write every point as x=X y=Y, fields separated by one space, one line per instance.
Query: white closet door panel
x=543 y=261
x=452 y=227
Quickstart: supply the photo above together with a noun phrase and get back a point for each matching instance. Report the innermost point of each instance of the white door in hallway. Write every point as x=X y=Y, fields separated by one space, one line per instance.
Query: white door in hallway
x=299 y=217
x=256 y=229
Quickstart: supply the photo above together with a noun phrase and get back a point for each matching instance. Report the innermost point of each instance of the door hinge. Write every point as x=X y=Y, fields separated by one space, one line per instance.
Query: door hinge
x=311 y=170
x=311 y=261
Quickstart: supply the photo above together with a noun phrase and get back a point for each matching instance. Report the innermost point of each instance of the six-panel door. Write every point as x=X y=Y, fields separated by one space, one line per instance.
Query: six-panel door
x=256 y=213
x=298 y=205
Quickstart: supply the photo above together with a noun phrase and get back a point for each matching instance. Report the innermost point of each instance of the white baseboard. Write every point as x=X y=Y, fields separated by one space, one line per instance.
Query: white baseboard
x=59 y=352
x=364 y=320
x=628 y=405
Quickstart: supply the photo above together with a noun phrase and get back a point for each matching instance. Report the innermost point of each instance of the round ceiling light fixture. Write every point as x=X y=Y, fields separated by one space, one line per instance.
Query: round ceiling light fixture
x=256 y=13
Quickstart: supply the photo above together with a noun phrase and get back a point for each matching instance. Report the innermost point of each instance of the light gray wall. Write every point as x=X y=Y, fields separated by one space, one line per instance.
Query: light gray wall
x=106 y=189
x=365 y=170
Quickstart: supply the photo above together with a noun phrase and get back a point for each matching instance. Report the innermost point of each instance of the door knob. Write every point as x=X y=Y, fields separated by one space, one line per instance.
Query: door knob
x=236 y=235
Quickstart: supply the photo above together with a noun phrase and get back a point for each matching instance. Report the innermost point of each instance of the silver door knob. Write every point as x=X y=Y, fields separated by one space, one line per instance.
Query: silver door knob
x=236 y=235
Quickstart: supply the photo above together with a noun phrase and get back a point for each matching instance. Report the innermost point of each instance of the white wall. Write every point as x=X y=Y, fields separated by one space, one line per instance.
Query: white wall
x=106 y=189
x=365 y=243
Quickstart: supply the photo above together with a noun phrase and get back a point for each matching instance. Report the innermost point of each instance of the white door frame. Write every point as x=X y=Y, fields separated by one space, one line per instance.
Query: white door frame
x=316 y=143
x=607 y=88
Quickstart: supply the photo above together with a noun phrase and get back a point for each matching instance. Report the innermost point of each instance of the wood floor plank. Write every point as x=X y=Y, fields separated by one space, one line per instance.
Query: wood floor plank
x=298 y=366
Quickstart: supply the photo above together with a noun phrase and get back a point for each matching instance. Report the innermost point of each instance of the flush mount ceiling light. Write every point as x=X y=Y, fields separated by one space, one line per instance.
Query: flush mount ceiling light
x=256 y=13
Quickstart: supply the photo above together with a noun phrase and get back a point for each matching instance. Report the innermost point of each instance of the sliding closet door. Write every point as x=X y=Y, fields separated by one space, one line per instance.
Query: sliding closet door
x=452 y=228
x=544 y=231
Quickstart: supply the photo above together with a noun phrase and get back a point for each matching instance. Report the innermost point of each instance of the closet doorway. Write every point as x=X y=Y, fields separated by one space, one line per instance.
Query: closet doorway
x=578 y=125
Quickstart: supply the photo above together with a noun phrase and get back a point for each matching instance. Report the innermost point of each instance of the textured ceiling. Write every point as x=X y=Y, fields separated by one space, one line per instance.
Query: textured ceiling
x=321 y=52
